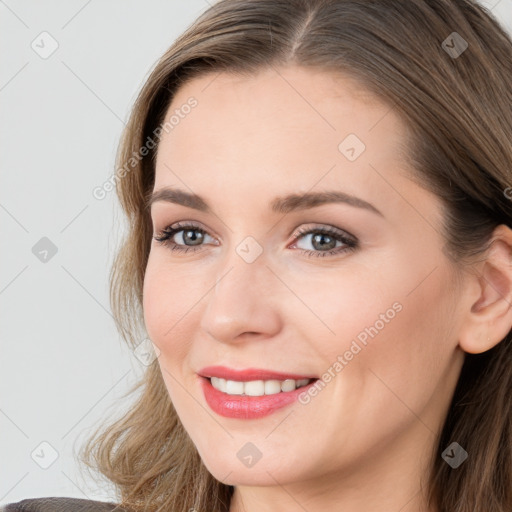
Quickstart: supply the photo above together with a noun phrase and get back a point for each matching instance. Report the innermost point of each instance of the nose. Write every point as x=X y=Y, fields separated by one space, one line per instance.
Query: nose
x=243 y=303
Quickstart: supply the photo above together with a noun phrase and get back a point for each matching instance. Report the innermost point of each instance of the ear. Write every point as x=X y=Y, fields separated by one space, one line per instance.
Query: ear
x=489 y=317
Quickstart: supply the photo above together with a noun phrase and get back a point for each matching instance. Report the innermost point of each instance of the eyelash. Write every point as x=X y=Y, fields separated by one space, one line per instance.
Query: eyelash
x=164 y=238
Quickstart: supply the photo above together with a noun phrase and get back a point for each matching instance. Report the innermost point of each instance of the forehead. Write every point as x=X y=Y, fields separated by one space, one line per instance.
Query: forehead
x=281 y=130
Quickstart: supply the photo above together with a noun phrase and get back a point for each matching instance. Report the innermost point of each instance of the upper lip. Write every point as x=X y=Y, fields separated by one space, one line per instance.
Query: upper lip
x=249 y=374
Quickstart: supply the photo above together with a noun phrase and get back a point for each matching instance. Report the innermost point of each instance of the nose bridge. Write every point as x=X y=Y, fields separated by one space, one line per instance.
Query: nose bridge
x=243 y=266
x=240 y=301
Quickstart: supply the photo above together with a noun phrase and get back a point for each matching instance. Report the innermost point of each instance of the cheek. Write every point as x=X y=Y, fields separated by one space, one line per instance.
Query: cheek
x=397 y=325
x=152 y=296
x=408 y=355
x=167 y=305
x=357 y=306
x=168 y=313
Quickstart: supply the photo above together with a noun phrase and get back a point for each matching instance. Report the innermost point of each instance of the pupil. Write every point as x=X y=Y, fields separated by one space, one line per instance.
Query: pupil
x=194 y=239
x=321 y=237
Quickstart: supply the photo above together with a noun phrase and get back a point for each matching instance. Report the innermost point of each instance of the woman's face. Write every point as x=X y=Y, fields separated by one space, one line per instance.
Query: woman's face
x=366 y=306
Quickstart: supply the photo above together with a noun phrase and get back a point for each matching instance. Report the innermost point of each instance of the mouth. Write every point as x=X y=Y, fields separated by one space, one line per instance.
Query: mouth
x=257 y=387
x=252 y=392
x=249 y=374
x=252 y=399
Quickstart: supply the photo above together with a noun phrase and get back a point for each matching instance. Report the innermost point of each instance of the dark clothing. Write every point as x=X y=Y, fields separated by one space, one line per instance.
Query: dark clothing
x=60 y=504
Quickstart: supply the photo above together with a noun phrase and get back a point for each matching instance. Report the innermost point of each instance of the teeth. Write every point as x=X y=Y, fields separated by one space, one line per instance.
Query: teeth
x=257 y=387
x=272 y=387
x=234 y=388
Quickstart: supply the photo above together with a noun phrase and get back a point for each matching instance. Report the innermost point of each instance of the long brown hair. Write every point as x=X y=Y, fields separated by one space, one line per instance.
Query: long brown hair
x=456 y=101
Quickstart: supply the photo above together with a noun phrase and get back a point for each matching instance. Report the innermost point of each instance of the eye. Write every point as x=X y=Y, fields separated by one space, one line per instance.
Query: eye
x=326 y=238
x=188 y=234
x=323 y=238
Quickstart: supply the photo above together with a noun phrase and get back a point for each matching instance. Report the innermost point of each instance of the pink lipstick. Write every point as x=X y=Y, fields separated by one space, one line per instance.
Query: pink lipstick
x=233 y=402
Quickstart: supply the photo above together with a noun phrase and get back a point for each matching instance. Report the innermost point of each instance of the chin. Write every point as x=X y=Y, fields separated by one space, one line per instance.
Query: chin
x=227 y=466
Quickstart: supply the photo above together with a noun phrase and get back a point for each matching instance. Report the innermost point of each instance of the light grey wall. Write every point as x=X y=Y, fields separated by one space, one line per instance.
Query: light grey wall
x=62 y=363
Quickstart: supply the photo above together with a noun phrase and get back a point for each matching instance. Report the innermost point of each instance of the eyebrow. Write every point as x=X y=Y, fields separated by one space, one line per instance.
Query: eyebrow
x=284 y=204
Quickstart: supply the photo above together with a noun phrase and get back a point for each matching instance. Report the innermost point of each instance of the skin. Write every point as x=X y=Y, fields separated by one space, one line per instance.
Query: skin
x=363 y=443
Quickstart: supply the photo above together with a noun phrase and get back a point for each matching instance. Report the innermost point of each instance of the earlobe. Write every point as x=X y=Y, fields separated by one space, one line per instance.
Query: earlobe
x=489 y=319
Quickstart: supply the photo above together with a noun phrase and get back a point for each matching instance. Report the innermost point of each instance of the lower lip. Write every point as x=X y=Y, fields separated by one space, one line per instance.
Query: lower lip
x=248 y=407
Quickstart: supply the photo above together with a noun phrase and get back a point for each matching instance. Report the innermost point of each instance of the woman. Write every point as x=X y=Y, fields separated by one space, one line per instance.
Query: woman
x=372 y=373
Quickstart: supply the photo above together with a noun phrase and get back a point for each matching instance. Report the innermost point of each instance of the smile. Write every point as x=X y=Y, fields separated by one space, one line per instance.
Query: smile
x=257 y=387
x=248 y=399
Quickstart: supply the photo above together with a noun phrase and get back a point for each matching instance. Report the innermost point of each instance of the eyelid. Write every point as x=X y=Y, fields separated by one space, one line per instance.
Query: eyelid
x=183 y=224
x=349 y=241
x=326 y=228
x=295 y=233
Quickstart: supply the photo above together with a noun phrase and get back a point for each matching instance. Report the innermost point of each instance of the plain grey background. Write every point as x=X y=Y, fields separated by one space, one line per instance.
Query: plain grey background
x=70 y=73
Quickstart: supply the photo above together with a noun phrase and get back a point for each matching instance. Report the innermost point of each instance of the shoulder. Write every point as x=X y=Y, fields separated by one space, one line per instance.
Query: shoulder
x=61 y=504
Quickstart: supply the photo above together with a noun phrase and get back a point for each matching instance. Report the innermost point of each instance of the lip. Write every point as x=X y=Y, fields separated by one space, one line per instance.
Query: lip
x=245 y=406
x=249 y=374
